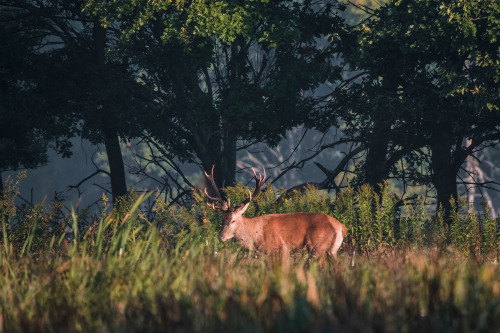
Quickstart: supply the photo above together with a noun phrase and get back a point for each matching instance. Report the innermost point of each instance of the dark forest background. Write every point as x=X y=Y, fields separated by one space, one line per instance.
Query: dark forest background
x=100 y=96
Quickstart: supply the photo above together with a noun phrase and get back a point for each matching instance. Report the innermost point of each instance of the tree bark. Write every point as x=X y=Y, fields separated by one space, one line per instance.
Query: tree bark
x=110 y=137
x=446 y=188
x=229 y=161
x=99 y=34
x=444 y=172
x=116 y=167
x=376 y=170
x=222 y=158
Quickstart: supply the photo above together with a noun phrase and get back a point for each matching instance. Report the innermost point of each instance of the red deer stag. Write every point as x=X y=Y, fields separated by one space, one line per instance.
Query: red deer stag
x=275 y=233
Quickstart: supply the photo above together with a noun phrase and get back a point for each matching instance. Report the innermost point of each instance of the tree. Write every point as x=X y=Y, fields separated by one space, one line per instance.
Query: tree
x=27 y=128
x=427 y=83
x=227 y=74
x=82 y=79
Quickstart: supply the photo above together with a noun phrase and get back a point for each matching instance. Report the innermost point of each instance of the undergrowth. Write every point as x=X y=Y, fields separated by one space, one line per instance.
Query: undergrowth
x=413 y=271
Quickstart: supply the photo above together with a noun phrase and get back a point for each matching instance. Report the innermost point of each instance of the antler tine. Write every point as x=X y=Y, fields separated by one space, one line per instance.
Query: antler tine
x=214 y=189
x=259 y=181
x=255 y=174
x=214 y=207
x=212 y=198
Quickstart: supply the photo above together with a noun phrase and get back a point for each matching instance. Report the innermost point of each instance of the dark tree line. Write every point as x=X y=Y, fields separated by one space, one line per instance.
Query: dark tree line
x=416 y=91
x=428 y=94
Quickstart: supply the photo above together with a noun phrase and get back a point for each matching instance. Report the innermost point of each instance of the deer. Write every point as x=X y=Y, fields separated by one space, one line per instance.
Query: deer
x=320 y=234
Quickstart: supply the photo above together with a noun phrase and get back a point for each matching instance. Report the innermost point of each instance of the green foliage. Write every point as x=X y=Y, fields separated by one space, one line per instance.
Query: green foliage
x=311 y=200
x=386 y=215
x=491 y=231
x=366 y=201
x=8 y=196
x=26 y=124
x=127 y=273
x=266 y=202
x=373 y=221
x=427 y=76
x=215 y=72
x=439 y=228
x=465 y=228
x=316 y=201
x=345 y=211
x=36 y=225
x=369 y=217
x=28 y=227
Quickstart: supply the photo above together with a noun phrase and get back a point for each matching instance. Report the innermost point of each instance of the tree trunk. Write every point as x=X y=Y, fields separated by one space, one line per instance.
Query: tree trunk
x=99 y=34
x=116 y=167
x=444 y=172
x=376 y=170
x=446 y=188
x=229 y=161
x=111 y=142
x=222 y=158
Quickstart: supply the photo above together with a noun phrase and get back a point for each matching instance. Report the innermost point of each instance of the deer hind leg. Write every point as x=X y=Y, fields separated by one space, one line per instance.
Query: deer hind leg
x=321 y=251
x=285 y=257
x=337 y=243
x=322 y=257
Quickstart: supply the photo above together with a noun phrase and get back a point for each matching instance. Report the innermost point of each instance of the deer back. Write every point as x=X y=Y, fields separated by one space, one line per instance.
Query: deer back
x=294 y=231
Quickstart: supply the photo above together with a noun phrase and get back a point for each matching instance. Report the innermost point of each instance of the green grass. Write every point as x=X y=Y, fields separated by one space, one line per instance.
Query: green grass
x=198 y=290
x=125 y=273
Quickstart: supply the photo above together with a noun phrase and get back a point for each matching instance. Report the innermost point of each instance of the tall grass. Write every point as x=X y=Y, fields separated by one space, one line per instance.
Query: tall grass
x=123 y=272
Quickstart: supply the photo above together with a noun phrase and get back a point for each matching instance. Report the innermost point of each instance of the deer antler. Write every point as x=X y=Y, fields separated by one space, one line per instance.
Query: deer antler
x=224 y=206
x=259 y=181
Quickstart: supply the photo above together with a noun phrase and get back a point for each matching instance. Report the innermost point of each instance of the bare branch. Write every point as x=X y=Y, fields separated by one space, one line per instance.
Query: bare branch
x=300 y=164
x=98 y=171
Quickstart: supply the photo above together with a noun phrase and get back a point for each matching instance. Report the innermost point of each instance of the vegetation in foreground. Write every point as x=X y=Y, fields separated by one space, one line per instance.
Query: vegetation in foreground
x=125 y=272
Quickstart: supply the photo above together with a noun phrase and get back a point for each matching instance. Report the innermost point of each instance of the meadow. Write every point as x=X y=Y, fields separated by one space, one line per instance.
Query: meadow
x=138 y=269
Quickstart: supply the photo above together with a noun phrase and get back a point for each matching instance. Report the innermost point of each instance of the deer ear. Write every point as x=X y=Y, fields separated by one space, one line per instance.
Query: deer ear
x=239 y=210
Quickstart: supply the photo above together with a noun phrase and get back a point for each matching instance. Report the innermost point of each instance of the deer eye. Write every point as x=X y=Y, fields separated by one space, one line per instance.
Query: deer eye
x=233 y=221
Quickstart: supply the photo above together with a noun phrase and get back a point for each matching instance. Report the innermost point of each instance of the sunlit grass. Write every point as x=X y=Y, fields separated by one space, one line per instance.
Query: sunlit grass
x=125 y=273
x=193 y=289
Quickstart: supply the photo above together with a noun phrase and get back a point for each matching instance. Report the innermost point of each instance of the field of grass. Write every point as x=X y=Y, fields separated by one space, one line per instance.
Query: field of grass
x=124 y=272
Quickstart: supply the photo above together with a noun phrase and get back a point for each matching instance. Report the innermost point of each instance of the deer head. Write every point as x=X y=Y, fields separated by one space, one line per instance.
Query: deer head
x=231 y=215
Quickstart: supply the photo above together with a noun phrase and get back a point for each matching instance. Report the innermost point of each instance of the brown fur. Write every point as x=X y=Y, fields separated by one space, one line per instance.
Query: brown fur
x=319 y=233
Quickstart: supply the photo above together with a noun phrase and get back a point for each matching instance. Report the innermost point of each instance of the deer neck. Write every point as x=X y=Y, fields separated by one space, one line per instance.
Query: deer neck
x=249 y=233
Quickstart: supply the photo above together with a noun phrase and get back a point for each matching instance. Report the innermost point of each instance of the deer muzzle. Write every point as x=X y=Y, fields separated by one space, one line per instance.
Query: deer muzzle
x=225 y=235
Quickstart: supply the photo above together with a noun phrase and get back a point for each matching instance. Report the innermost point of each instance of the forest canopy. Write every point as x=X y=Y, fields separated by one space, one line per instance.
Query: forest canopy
x=411 y=86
